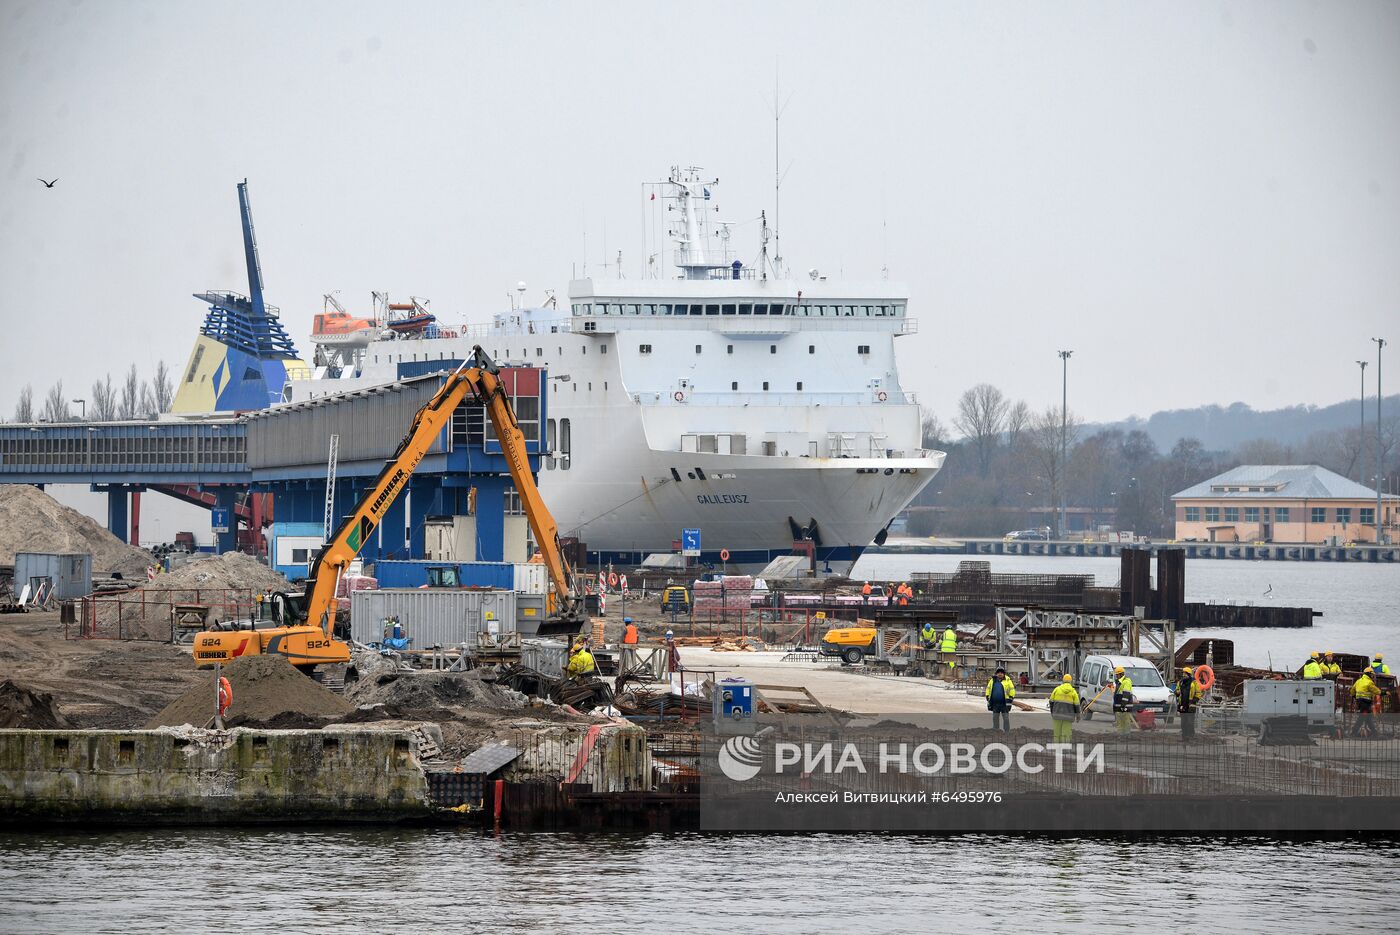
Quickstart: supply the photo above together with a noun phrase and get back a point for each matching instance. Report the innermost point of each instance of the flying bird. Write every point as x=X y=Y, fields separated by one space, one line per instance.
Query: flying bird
x=47 y=184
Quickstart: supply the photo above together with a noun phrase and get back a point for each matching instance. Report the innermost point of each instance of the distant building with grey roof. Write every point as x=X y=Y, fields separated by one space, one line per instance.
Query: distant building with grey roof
x=1282 y=503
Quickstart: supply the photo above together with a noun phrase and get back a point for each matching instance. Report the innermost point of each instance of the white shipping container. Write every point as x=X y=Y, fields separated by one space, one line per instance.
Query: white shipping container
x=432 y=616
x=531 y=579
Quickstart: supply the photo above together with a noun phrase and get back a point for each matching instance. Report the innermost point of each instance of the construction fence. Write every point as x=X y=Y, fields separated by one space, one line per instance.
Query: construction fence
x=159 y=615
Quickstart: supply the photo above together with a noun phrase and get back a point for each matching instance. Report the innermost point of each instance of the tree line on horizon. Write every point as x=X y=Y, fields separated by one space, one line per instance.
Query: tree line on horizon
x=132 y=398
x=1005 y=469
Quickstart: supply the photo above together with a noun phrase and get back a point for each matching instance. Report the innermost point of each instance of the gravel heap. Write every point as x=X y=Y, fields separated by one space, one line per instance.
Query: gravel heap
x=379 y=681
x=32 y=521
x=264 y=688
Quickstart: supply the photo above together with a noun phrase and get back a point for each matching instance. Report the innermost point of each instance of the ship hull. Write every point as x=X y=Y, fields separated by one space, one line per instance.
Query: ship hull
x=744 y=505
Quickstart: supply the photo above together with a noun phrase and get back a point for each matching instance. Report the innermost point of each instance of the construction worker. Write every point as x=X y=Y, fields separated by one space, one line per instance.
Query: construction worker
x=629 y=632
x=905 y=593
x=949 y=647
x=1000 y=692
x=1064 y=709
x=865 y=593
x=1188 y=693
x=1331 y=668
x=673 y=653
x=889 y=595
x=1366 y=692
x=581 y=664
x=1378 y=664
x=1312 y=669
x=928 y=635
x=1123 y=700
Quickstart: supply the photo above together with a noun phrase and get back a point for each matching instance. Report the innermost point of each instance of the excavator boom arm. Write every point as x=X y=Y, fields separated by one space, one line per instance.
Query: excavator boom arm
x=546 y=531
x=479 y=376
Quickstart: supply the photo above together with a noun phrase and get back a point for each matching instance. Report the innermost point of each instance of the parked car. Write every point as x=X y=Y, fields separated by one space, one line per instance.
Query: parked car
x=1151 y=692
x=1042 y=534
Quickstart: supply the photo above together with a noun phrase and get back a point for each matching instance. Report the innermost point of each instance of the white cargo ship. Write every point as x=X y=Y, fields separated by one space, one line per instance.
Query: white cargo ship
x=730 y=398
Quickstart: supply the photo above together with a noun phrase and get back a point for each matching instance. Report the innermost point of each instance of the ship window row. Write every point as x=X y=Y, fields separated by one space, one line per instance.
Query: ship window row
x=798 y=309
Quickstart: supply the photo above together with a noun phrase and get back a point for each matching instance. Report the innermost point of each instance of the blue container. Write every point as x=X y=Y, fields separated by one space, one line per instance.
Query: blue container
x=414 y=574
x=736 y=698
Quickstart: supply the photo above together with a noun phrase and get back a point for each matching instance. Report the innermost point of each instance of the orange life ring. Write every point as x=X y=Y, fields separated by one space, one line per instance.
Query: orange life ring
x=678 y=396
x=1204 y=676
x=882 y=396
x=612 y=578
x=225 y=695
x=724 y=555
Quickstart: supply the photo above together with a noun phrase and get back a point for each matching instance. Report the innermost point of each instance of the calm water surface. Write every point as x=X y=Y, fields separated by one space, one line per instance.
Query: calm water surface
x=432 y=880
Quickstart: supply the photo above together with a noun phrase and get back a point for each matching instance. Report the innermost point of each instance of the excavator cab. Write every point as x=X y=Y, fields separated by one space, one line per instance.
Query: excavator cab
x=443 y=576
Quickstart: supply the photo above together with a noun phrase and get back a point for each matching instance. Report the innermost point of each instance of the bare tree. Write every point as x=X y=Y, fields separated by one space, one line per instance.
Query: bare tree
x=935 y=433
x=24 y=406
x=1046 y=444
x=1018 y=420
x=147 y=408
x=981 y=417
x=129 y=401
x=162 y=388
x=104 y=400
x=56 y=405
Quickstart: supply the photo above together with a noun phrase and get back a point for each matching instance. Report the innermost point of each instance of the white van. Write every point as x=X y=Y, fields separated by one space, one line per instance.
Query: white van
x=1151 y=693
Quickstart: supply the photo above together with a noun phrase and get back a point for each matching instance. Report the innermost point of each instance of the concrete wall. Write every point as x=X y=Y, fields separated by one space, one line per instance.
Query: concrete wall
x=185 y=776
x=618 y=761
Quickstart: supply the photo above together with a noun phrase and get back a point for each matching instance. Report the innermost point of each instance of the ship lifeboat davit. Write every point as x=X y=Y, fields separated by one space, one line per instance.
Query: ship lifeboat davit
x=339 y=329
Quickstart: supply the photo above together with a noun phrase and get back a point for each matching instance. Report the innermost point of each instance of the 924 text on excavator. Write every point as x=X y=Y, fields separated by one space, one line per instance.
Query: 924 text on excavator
x=305 y=629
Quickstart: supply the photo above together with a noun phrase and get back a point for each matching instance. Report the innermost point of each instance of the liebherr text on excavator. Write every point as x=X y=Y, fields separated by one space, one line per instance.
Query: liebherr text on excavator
x=306 y=632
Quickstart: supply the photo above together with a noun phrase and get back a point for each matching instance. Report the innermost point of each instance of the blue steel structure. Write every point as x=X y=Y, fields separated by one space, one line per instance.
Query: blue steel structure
x=243 y=356
x=122 y=458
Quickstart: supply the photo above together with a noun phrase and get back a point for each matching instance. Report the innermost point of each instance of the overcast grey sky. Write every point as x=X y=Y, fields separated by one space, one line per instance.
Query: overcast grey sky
x=1201 y=199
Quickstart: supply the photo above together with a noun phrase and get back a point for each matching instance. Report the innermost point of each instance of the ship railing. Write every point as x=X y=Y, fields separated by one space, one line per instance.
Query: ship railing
x=236 y=298
x=515 y=329
x=688 y=398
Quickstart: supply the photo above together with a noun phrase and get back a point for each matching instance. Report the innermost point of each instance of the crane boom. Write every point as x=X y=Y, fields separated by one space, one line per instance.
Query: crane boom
x=479 y=377
x=308 y=638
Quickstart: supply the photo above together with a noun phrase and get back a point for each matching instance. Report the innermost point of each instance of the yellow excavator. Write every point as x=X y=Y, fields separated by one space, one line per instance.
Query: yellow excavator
x=304 y=629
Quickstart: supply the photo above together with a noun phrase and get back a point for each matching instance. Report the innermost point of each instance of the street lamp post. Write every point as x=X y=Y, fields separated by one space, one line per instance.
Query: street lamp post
x=1064 y=423
x=1361 y=439
x=1380 y=466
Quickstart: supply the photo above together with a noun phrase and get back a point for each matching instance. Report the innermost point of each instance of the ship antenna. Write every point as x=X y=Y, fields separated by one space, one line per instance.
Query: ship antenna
x=779 y=105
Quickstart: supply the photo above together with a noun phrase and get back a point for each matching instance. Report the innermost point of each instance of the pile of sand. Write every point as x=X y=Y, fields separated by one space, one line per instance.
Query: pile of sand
x=32 y=521
x=20 y=707
x=264 y=688
x=230 y=570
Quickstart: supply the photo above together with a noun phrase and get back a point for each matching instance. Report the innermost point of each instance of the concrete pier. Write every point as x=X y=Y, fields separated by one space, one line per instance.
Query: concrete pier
x=188 y=776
